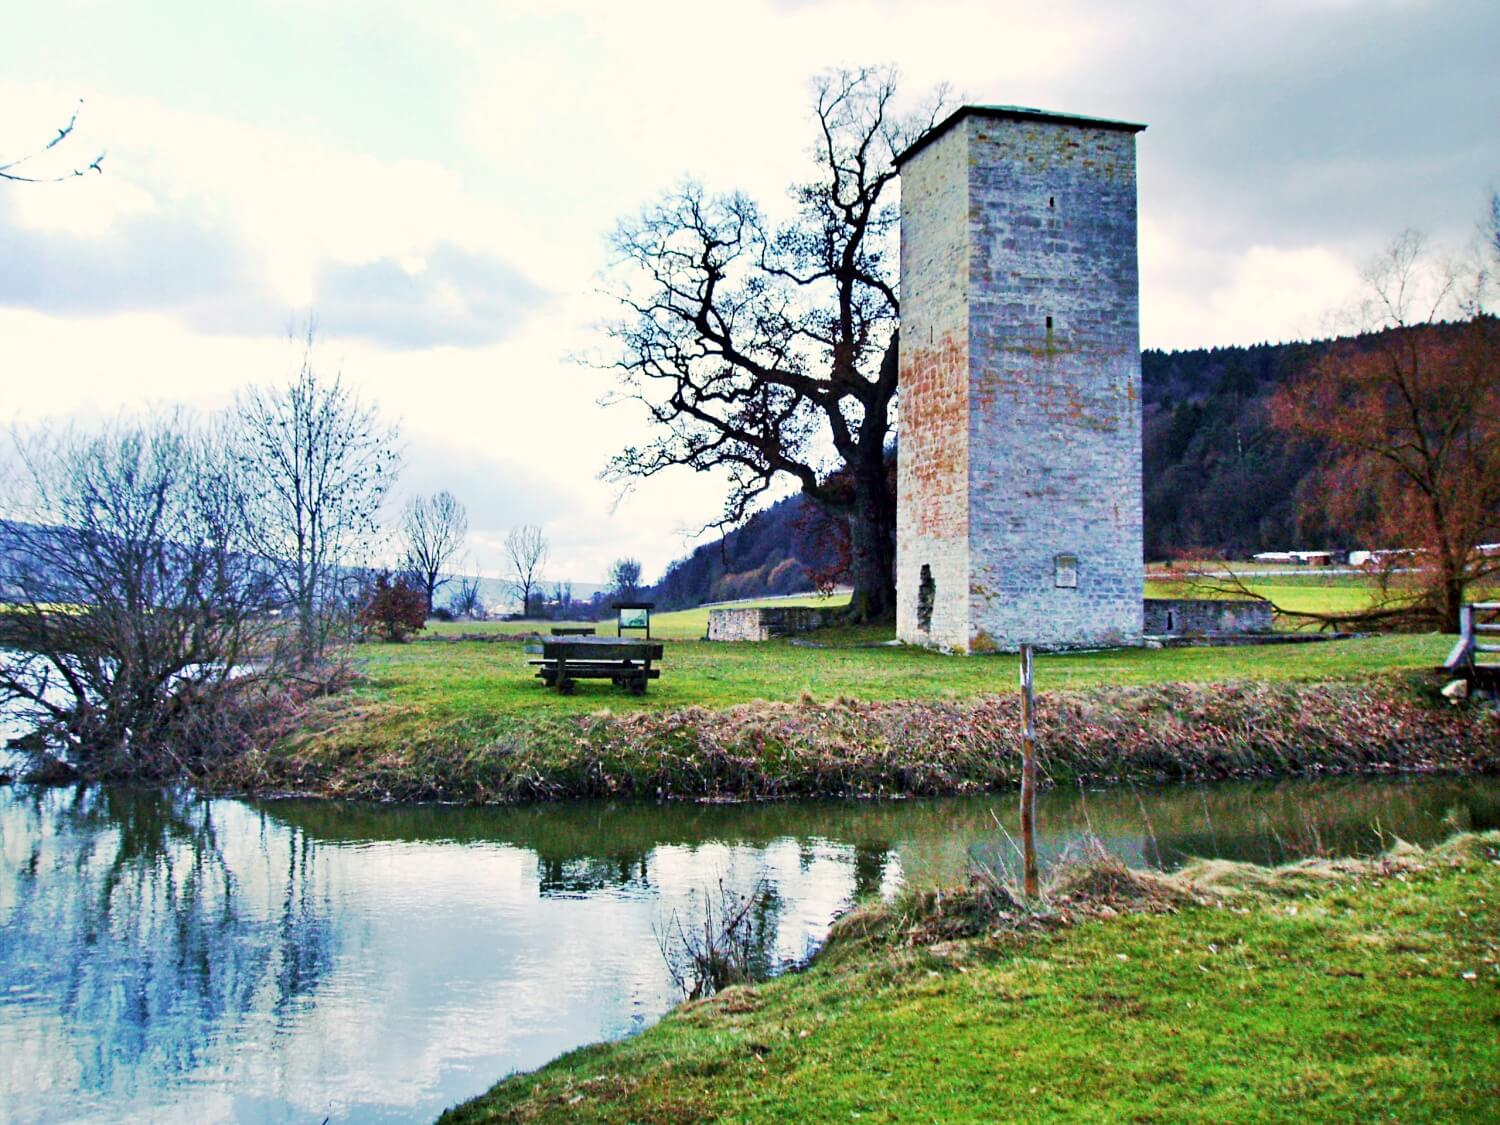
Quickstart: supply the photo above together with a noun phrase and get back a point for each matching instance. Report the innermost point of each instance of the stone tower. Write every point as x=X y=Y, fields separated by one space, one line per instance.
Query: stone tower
x=1019 y=486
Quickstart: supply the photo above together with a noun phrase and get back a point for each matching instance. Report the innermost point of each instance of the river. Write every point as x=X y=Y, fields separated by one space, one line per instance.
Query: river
x=169 y=958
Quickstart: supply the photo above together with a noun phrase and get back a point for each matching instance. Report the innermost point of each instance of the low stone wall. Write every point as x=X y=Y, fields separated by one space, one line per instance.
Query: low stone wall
x=1171 y=617
x=761 y=624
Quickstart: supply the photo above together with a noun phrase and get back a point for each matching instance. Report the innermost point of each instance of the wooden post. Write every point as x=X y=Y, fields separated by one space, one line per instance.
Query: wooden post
x=1464 y=651
x=1028 y=774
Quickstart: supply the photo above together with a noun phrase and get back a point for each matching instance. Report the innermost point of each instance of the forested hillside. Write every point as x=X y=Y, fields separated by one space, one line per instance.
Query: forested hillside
x=777 y=551
x=1218 y=479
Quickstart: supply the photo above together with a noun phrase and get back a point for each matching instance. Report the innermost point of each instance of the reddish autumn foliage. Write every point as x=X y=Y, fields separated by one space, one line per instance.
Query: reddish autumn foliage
x=1409 y=424
x=396 y=608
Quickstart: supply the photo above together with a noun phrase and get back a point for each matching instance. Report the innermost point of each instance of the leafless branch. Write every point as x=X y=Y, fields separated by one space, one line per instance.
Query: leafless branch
x=9 y=169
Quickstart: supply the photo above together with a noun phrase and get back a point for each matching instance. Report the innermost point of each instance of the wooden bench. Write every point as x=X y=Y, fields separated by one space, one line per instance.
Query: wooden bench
x=627 y=663
x=572 y=630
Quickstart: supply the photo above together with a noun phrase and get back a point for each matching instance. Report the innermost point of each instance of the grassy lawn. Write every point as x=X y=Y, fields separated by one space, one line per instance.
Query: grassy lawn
x=442 y=718
x=473 y=681
x=449 y=719
x=1336 y=992
x=468 y=721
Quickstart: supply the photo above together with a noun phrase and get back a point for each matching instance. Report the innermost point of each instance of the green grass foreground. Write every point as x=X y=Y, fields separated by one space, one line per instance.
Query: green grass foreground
x=1325 y=991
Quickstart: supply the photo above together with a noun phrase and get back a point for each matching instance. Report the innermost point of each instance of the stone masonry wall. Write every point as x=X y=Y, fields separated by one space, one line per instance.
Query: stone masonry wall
x=1046 y=294
x=762 y=624
x=932 y=517
x=1178 y=616
x=1055 y=421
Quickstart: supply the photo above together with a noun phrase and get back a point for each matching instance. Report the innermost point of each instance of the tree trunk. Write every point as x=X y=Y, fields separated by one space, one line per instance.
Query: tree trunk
x=1453 y=601
x=872 y=526
x=307 y=639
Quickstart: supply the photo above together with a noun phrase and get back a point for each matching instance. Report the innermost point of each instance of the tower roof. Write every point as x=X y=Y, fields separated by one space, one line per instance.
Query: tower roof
x=1010 y=113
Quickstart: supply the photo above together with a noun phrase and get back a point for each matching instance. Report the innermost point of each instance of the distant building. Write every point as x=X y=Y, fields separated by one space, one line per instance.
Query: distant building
x=1295 y=558
x=1373 y=559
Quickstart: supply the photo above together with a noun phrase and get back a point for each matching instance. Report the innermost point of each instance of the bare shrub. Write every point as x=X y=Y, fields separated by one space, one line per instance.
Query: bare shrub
x=132 y=594
x=464 y=601
x=725 y=948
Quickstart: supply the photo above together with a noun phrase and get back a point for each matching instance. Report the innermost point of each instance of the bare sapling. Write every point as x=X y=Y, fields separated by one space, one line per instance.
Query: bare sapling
x=723 y=949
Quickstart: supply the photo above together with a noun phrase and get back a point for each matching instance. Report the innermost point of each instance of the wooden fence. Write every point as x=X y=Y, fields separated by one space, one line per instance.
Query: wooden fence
x=1476 y=621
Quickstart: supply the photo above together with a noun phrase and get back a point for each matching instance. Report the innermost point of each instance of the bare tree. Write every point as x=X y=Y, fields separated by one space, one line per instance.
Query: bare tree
x=526 y=548
x=14 y=171
x=1489 y=228
x=133 y=596
x=464 y=601
x=433 y=528
x=625 y=579
x=1491 y=237
x=756 y=349
x=317 y=463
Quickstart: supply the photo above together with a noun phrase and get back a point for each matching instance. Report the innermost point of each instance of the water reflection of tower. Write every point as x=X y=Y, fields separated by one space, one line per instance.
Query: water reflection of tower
x=869 y=868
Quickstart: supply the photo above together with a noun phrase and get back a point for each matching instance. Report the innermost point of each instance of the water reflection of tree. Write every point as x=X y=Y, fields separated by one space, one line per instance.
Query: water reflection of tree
x=127 y=916
x=1338 y=820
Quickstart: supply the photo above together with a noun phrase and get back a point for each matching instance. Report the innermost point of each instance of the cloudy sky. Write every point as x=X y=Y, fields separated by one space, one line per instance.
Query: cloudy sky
x=435 y=182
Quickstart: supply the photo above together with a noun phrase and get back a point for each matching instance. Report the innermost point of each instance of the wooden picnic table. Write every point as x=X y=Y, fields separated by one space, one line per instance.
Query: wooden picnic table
x=627 y=662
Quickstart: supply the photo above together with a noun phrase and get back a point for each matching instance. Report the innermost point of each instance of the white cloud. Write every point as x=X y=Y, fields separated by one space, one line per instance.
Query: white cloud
x=441 y=186
x=1199 y=298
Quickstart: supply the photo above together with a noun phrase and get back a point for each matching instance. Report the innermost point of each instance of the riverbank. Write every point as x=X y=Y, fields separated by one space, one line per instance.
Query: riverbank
x=359 y=748
x=1325 y=990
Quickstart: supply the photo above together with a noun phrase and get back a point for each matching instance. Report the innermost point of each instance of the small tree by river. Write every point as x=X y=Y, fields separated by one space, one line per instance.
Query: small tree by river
x=316 y=464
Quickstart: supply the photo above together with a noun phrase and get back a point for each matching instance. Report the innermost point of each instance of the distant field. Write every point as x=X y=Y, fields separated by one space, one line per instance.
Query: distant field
x=1313 y=592
x=680 y=624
